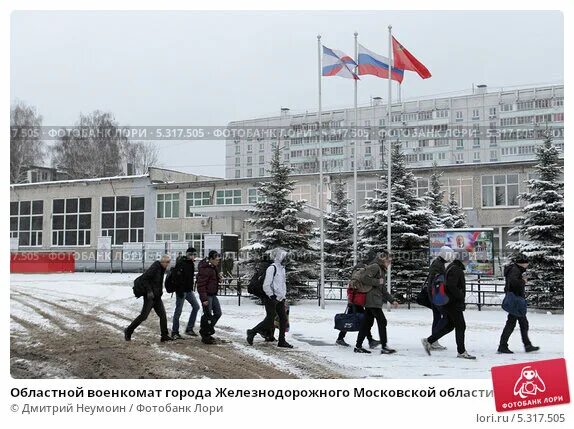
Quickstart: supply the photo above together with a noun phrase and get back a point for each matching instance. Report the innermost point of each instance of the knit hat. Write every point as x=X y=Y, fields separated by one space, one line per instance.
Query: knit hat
x=446 y=253
x=519 y=258
x=191 y=250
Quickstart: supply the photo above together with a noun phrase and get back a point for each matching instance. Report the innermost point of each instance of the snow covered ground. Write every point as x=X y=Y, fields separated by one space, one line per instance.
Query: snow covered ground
x=311 y=331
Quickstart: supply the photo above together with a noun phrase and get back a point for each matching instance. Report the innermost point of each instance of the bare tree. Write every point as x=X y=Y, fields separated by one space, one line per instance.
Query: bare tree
x=92 y=149
x=26 y=147
x=141 y=155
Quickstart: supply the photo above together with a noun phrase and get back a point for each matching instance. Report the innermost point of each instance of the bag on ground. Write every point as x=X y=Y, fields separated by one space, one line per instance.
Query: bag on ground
x=139 y=287
x=349 y=321
x=514 y=304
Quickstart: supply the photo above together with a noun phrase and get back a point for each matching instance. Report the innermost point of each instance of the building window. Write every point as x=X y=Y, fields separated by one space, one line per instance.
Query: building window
x=459 y=117
x=492 y=112
x=237 y=174
x=476 y=157
x=367 y=150
x=500 y=190
x=366 y=190
x=167 y=206
x=167 y=236
x=249 y=172
x=71 y=221
x=442 y=155
x=196 y=199
x=475 y=114
x=123 y=219
x=493 y=155
x=460 y=143
x=493 y=141
x=459 y=158
x=421 y=187
x=249 y=160
x=261 y=171
x=462 y=190
x=195 y=240
x=508 y=107
x=237 y=150
x=261 y=159
x=228 y=197
x=237 y=162
x=254 y=196
x=249 y=148
x=301 y=192
x=26 y=218
x=476 y=142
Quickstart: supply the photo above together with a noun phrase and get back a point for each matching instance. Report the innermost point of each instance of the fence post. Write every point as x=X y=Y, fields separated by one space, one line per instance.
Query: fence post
x=318 y=295
x=409 y=293
x=122 y=261
x=478 y=288
x=143 y=258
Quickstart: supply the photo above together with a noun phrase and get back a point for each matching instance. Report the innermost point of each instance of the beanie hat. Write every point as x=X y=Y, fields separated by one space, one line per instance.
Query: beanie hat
x=446 y=253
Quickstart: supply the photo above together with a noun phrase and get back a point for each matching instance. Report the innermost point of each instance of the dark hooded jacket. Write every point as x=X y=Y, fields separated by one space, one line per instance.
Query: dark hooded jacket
x=456 y=285
x=153 y=279
x=188 y=274
x=207 y=280
x=513 y=279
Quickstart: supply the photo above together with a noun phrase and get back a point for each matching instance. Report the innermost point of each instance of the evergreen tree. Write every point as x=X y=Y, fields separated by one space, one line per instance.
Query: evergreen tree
x=410 y=222
x=338 y=234
x=435 y=197
x=454 y=216
x=540 y=227
x=277 y=221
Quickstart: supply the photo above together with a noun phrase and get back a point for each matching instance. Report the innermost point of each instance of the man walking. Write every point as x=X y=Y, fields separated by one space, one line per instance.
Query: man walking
x=516 y=283
x=185 y=269
x=275 y=289
x=152 y=279
x=208 y=278
x=455 y=286
x=374 y=276
x=439 y=319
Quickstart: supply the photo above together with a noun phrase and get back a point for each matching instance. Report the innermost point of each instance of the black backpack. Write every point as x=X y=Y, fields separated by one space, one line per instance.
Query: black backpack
x=255 y=286
x=174 y=279
x=139 y=287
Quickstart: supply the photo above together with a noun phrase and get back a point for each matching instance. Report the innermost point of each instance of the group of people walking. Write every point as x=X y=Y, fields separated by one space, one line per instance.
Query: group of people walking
x=446 y=274
x=207 y=284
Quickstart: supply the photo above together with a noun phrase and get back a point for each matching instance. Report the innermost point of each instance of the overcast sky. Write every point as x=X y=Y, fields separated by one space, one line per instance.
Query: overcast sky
x=209 y=68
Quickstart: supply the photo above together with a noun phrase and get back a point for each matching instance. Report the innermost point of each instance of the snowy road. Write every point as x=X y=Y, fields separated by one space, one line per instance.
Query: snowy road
x=70 y=325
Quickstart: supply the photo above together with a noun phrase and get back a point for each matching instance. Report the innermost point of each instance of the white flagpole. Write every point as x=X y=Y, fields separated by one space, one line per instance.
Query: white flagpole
x=355 y=199
x=322 y=266
x=389 y=163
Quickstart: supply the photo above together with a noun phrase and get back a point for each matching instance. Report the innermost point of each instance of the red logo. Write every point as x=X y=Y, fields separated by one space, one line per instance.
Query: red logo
x=530 y=385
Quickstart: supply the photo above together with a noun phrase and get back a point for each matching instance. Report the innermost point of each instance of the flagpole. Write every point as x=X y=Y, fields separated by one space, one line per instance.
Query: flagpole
x=321 y=226
x=389 y=163
x=355 y=205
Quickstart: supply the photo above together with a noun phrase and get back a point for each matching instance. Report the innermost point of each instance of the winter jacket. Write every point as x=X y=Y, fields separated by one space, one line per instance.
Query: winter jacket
x=275 y=279
x=378 y=295
x=513 y=279
x=188 y=274
x=207 y=280
x=152 y=279
x=456 y=285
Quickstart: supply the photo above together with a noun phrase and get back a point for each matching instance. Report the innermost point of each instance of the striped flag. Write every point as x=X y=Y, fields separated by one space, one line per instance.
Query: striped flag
x=337 y=63
x=377 y=65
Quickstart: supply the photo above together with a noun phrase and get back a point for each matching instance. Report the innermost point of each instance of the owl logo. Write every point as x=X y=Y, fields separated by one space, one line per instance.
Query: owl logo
x=529 y=383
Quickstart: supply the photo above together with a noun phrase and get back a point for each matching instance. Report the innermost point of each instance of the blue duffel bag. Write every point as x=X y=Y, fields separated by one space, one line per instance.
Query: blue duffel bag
x=349 y=321
x=514 y=304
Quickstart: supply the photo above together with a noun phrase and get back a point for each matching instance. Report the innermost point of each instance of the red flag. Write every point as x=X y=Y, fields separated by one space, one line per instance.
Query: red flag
x=403 y=59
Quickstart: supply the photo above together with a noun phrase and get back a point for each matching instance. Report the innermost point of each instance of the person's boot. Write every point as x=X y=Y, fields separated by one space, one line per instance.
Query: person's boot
x=207 y=340
x=342 y=342
x=387 y=351
x=465 y=355
x=426 y=345
x=270 y=339
x=437 y=346
x=373 y=344
x=127 y=335
x=504 y=350
x=191 y=333
x=361 y=350
x=166 y=338
x=284 y=344
x=250 y=336
x=530 y=348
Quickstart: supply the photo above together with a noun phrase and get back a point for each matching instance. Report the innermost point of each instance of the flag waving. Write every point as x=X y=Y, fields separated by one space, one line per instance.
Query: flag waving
x=337 y=63
x=403 y=59
x=377 y=65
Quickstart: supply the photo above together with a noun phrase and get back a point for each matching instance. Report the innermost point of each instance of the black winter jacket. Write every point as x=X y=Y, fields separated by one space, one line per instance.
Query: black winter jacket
x=456 y=285
x=153 y=279
x=513 y=279
x=188 y=274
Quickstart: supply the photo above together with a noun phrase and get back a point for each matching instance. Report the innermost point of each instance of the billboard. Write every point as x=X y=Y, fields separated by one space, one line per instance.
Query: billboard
x=473 y=246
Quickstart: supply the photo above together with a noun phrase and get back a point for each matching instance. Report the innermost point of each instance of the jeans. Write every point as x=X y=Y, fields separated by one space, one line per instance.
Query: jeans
x=372 y=314
x=157 y=304
x=455 y=320
x=272 y=308
x=214 y=309
x=439 y=319
x=179 y=301
x=509 y=328
x=358 y=309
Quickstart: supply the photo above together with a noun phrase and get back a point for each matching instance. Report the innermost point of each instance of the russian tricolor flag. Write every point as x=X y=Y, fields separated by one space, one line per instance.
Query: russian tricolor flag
x=337 y=63
x=377 y=65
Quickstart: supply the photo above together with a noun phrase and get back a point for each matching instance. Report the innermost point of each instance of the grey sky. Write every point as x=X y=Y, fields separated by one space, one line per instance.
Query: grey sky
x=209 y=68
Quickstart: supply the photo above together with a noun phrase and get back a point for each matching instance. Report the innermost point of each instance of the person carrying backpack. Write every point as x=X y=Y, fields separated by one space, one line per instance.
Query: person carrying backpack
x=455 y=288
x=437 y=268
x=353 y=306
x=185 y=272
x=152 y=281
x=374 y=276
x=515 y=283
x=273 y=298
